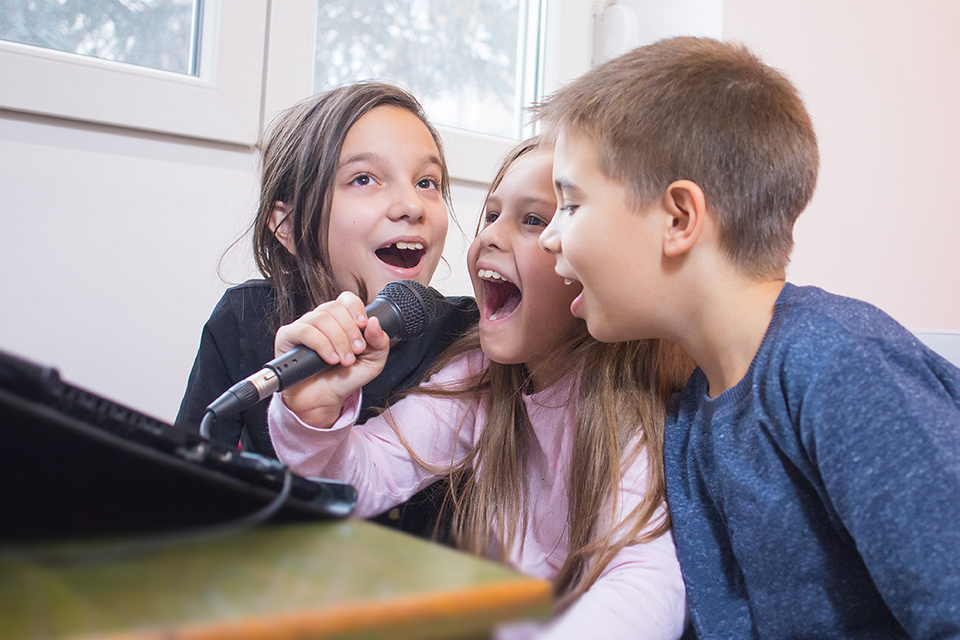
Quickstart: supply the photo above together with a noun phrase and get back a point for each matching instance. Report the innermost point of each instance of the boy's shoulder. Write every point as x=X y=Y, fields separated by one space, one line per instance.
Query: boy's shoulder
x=823 y=339
x=810 y=309
x=808 y=320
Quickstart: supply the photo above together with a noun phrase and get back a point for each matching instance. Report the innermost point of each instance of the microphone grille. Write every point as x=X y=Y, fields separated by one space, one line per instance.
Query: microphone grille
x=418 y=306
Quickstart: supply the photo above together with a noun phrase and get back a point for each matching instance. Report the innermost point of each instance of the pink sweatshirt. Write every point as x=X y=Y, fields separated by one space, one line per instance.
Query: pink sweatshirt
x=640 y=594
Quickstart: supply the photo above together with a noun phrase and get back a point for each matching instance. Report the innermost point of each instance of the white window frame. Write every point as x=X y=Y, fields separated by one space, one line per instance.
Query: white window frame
x=471 y=157
x=256 y=58
x=222 y=104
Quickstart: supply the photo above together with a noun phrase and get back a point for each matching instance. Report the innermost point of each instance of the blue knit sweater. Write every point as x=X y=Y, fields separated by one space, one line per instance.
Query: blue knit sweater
x=820 y=496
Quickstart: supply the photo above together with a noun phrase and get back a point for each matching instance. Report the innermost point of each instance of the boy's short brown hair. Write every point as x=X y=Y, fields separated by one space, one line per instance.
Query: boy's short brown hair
x=706 y=111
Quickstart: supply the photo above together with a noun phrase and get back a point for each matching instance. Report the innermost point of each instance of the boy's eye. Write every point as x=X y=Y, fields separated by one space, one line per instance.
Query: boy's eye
x=428 y=183
x=569 y=208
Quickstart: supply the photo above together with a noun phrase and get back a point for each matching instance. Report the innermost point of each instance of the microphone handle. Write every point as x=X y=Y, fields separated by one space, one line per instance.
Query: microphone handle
x=290 y=368
x=295 y=365
x=301 y=363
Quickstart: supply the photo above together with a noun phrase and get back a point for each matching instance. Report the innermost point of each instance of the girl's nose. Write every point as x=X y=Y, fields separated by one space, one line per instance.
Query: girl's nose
x=491 y=235
x=406 y=204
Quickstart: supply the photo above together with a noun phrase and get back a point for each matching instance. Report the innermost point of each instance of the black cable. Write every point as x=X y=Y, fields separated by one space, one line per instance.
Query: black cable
x=158 y=542
x=208 y=419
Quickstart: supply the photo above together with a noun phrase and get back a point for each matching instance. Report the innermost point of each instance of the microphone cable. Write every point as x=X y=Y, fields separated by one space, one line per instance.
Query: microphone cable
x=114 y=552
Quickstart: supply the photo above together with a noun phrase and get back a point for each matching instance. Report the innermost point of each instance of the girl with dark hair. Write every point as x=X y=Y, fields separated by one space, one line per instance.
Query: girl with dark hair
x=354 y=194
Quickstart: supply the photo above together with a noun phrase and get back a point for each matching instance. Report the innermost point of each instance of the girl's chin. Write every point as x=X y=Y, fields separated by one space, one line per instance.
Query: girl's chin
x=495 y=349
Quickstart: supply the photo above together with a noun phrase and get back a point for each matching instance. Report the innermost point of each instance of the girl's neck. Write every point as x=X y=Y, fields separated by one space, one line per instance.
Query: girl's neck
x=547 y=372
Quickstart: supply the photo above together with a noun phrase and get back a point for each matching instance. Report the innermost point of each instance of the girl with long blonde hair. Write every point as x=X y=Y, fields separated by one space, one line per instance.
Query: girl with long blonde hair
x=551 y=440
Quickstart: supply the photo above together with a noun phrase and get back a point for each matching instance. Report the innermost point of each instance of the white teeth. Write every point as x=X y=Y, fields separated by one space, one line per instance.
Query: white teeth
x=414 y=246
x=490 y=274
x=567 y=281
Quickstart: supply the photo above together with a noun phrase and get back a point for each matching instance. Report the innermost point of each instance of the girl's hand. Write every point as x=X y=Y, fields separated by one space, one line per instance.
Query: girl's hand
x=341 y=334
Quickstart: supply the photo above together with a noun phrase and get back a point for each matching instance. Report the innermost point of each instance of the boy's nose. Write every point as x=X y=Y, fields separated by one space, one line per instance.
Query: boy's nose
x=550 y=237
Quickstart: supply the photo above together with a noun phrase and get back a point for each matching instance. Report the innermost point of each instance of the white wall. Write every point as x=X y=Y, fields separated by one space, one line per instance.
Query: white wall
x=882 y=82
x=109 y=250
x=110 y=246
x=110 y=238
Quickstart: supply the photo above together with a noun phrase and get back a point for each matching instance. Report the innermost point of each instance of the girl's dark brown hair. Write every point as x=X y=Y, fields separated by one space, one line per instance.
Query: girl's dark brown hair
x=300 y=152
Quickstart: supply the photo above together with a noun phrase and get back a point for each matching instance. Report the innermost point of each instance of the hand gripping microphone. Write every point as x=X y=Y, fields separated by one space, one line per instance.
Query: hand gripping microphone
x=405 y=309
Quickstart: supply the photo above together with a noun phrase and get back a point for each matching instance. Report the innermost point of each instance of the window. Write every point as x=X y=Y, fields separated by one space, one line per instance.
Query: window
x=471 y=156
x=221 y=102
x=160 y=34
x=465 y=61
x=228 y=65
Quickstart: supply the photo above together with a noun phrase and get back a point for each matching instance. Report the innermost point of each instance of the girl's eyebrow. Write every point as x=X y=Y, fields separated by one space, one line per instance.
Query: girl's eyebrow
x=524 y=202
x=527 y=201
x=359 y=157
x=432 y=159
x=366 y=156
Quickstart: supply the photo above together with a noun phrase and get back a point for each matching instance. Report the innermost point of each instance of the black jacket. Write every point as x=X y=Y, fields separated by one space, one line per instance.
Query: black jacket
x=238 y=339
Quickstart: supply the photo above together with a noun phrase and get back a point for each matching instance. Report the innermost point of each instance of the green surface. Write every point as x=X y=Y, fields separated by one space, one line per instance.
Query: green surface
x=266 y=571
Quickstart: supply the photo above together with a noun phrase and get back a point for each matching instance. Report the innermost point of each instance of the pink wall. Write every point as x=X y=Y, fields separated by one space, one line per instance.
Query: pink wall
x=882 y=82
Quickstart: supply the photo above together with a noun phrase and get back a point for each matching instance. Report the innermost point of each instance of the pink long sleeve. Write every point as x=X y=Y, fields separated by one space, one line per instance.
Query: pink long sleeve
x=371 y=456
x=640 y=594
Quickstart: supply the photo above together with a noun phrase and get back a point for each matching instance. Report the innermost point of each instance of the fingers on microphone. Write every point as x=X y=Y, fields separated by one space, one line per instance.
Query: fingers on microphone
x=375 y=336
x=355 y=305
x=332 y=331
x=338 y=323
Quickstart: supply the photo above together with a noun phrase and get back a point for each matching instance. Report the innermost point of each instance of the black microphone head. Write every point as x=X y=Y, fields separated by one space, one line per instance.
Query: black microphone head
x=418 y=306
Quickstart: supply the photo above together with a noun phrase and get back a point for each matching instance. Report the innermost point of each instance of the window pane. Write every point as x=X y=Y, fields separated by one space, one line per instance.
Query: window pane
x=161 y=34
x=458 y=57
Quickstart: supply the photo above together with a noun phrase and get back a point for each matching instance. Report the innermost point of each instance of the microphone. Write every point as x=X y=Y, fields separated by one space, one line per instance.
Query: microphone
x=405 y=309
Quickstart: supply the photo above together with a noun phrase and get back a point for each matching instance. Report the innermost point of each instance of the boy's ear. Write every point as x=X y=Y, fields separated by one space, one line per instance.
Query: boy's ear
x=282 y=225
x=686 y=207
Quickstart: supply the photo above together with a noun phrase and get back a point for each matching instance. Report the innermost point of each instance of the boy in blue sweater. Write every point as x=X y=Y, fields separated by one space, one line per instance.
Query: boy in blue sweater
x=813 y=461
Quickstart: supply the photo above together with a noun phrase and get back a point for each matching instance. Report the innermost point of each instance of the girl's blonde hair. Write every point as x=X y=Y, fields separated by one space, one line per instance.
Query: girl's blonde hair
x=622 y=392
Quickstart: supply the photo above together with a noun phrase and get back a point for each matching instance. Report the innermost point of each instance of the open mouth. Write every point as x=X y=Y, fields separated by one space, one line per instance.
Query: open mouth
x=404 y=255
x=501 y=297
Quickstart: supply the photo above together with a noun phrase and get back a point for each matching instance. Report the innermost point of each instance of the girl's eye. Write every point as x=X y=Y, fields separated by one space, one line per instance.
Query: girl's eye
x=490 y=217
x=361 y=180
x=428 y=183
x=569 y=208
x=534 y=221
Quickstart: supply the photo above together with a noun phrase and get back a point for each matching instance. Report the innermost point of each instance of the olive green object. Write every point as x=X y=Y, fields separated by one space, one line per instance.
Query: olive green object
x=335 y=579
